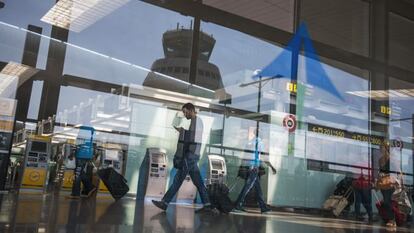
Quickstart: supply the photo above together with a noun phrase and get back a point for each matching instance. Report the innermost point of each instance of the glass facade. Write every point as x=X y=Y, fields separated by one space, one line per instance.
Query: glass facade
x=326 y=83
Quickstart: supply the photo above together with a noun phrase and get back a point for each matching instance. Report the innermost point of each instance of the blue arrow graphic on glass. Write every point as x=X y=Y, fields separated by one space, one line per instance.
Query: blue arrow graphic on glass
x=286 y=63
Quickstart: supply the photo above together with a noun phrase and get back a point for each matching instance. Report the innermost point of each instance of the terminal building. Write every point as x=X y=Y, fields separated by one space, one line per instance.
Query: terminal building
x=326 y=83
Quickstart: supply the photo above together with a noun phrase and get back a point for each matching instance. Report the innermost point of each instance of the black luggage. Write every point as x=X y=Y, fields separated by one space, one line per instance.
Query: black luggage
x=219 y=197
x=244 y=171
x=115 y=182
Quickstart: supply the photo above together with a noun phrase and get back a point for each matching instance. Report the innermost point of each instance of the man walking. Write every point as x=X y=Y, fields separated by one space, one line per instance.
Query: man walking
x=189 y=162
x=255 y=148
x=83 y=155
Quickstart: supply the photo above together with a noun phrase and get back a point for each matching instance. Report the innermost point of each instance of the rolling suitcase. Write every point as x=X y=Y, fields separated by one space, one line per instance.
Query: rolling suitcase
x=115 y=182
x=331 y=202
x=343 y=202
x=219 y=197
x=337 y=203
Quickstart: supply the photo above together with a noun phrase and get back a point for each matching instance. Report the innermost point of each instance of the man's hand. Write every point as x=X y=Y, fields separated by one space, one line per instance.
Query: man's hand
x=271 y=167
x=179 y=129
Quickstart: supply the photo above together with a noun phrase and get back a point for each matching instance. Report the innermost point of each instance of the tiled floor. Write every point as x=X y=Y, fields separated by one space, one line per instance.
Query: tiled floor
x=53 y=213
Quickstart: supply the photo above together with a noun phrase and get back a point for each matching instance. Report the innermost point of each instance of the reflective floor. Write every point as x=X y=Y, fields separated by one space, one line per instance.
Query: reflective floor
x=53 y=213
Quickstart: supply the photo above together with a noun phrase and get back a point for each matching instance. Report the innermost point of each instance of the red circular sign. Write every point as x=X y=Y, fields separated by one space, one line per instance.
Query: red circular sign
x=289 y=122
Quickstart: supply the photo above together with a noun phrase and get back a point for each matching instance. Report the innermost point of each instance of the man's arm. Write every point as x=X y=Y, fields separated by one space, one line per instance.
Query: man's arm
x=271 y=167
x=196 y=132
x=261 y=148
x=179 y=129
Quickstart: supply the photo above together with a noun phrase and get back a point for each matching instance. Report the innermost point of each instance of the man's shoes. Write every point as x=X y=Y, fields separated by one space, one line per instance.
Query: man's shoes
x=160 y=204
x=239 y=209
x=88 y=193
x=359 y=218
x=74 y=197
x=265 y=210
x=209 y=209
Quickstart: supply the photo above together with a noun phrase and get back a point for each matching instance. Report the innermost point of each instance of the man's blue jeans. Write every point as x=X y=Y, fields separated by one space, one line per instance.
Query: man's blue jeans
x=81 y=176
x=253 y=181
x=189 y=167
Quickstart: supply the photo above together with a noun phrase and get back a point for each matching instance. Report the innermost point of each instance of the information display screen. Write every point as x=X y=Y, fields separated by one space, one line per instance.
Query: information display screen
x=112 y=155
x=158 y=158
x=39 y=146
x=217 y=165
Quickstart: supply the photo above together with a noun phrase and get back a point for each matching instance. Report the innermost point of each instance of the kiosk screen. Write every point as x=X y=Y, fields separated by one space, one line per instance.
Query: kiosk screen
x=216 y=165
x=111 y=155
x=39 y=146
x=157 y=158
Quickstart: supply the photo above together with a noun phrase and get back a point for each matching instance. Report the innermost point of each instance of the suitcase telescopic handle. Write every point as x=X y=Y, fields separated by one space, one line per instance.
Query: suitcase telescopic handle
x=376 y=196
x=348 y=192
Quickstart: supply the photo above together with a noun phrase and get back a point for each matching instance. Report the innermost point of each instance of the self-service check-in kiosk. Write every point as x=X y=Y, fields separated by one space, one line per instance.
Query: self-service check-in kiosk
x=217 y=170
x=151 y=186
x=111 y=156
x=152 y=175
x=37 y=156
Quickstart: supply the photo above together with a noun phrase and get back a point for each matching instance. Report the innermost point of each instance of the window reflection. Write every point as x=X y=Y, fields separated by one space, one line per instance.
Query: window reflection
x=128 y=78
x=177 y=51
x=400 y=119
x=111 y=49
x=400 y=49
x=343 y=24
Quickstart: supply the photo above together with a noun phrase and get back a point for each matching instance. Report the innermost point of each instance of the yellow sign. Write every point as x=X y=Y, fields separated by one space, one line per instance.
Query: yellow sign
x=376 y=140
x=40 y=138
x=68 y=179
x=328 y=131
x=385 y=110
x=291 y=87
x=71 y=141
x=34 y=177
x=102 y=187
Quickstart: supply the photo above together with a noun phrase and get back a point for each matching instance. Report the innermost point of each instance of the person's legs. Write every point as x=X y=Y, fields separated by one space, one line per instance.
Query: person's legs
x=259 y=196
x=358 y=200
x=86 y=178
x=178 y=180
x=241 y=194
x=195 y=175
x=247 y=187
x=387 y=204
x=366 y=201
x=77 y=181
